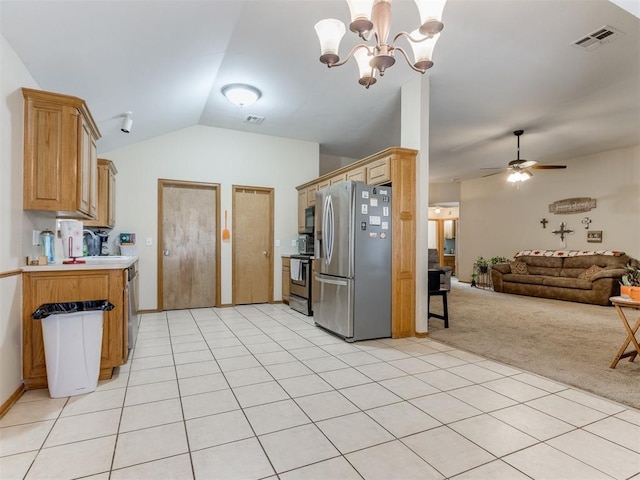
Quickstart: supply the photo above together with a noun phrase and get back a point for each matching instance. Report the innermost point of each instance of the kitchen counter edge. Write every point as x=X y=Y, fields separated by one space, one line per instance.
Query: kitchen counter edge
x=91 y=265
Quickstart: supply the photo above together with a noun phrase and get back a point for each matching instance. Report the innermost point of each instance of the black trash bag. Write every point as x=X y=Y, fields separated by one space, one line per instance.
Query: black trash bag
x=47 y=309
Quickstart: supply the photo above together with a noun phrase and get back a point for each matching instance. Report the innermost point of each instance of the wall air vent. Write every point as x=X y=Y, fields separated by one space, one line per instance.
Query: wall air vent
x=253 y=119
x=606 y=34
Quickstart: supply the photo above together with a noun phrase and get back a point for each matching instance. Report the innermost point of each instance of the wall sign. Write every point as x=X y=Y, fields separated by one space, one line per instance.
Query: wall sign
x=573 y=205
x=594 y=236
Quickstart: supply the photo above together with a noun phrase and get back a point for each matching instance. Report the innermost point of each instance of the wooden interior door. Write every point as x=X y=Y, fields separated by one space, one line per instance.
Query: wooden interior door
x=189 y=251
x=252 y=239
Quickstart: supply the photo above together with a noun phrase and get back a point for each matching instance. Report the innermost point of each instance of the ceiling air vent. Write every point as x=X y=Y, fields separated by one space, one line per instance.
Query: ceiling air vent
x=595 y=39
x=253 y=119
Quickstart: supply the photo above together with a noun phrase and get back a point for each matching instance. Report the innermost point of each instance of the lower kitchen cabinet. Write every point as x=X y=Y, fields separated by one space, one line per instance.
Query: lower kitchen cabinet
x=73 y=286
x=286 y=275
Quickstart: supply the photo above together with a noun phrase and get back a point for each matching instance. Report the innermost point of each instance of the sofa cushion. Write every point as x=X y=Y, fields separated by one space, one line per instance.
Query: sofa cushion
x=585 y=261
x=590 y=272
x=547 y=262
x=532 y=279
x=567 y=283
x=519 y=268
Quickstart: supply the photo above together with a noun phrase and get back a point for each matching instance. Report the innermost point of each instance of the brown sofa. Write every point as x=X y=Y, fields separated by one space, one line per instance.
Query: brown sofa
x=562 y=275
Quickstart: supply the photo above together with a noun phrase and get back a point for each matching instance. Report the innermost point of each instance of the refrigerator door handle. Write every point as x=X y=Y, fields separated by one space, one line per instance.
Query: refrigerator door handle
x=327 y=228
x=342 y=283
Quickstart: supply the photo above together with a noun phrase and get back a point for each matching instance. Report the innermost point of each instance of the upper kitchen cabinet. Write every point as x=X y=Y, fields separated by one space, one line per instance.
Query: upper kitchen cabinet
x=60 y=155
x=106 y=212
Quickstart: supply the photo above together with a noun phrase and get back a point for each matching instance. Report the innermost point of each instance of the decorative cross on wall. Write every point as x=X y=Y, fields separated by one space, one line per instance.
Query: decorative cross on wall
x=544 y=222
x=562 y=231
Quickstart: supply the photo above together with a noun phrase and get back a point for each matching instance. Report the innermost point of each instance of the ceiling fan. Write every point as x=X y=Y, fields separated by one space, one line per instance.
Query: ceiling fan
x=520 y=168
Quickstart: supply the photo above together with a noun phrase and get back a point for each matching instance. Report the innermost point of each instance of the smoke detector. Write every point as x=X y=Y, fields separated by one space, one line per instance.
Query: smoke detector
x=597 y=38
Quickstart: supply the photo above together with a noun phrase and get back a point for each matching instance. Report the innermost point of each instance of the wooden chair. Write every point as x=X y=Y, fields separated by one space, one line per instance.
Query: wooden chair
x=436 y=289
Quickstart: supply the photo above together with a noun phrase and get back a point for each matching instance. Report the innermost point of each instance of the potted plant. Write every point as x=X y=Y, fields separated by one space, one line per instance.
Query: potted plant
x=481 y=264
x=473 y=279
x=495 y=260
x=630 y=281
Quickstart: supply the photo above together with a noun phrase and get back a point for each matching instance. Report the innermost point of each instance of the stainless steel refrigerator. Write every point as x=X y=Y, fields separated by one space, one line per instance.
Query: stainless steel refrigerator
x=353 y=244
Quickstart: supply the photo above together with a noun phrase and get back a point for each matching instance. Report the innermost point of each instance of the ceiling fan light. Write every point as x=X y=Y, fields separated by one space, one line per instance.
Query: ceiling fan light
x=241 y=94
x=430 y=16
x=360 y=15
x=330 y=32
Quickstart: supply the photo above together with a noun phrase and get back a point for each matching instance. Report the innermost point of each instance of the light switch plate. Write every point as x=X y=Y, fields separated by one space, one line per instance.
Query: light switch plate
x=149 y=241
x=277 y=243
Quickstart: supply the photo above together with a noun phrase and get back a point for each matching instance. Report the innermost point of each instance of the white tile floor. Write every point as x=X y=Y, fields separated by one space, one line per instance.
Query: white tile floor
x=259 y=392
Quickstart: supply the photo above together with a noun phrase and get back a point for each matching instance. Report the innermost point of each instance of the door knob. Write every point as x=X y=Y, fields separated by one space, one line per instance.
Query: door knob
x=166 y=253
x=265 y=253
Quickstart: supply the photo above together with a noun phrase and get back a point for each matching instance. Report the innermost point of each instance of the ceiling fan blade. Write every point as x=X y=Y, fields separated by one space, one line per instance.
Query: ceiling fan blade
x=494 y=173
x=548 y=167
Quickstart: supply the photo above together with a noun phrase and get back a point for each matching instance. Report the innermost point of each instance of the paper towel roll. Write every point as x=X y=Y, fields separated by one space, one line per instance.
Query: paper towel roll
x=71 y=238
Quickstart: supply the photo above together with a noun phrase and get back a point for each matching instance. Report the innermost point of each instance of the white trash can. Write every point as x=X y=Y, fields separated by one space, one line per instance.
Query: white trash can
x=72 y=334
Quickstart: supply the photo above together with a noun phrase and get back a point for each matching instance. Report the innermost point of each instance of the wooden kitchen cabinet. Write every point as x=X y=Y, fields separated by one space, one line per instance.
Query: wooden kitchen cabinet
x=60 y=155
x=379 y=172
x=286 y=275
x=357 y=175
x=311 y=195
x=395 y=167
x=337 y=179
x=106 y=211
x=73 y=286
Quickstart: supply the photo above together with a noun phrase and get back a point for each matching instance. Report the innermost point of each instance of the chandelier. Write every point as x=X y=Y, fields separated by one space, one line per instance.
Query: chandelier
x=371 y=20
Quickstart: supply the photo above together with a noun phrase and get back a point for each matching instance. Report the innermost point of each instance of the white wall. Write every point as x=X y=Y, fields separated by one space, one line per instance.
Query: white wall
x=498 y=219
x=444 y=192
x=214 y=155
x=329 y=163
x=13 y=76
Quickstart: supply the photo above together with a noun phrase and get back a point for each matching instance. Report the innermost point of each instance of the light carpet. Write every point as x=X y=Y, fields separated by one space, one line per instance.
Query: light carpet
x=572 y=343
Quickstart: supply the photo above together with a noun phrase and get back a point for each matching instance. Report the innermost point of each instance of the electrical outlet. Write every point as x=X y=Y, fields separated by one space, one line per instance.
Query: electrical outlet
x=149 y=241
x=294 y=243
x=35 y=241
x=277 y=243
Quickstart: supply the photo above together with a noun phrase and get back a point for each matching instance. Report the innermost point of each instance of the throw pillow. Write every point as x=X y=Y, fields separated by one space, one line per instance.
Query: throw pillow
x=590 y=272
x=519 y=267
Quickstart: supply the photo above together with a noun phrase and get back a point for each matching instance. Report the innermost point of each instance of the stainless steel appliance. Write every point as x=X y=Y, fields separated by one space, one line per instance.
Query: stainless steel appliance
x=309 y=220
x=132 y=292
x=300 y=284
x=353 y=243
x=305 y=244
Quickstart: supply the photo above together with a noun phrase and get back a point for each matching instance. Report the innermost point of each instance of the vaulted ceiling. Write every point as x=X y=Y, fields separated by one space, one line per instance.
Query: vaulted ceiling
x=499 y=66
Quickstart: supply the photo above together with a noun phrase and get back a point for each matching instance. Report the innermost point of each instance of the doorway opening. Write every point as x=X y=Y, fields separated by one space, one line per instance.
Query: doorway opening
x=443 y=232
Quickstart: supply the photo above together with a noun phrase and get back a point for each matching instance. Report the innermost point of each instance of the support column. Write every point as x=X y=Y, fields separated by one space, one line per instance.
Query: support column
x=414 y=133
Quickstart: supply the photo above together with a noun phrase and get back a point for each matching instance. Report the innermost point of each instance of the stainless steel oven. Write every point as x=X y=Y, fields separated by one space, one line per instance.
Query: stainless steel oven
x=300 y=285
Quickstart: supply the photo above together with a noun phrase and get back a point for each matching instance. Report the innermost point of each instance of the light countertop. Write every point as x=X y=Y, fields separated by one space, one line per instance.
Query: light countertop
x=114 y=262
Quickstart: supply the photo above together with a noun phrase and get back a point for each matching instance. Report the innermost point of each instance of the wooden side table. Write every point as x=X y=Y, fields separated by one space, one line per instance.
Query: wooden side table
x=619 y=303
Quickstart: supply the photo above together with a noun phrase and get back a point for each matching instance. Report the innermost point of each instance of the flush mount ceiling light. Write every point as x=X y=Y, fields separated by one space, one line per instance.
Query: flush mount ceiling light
x=127 y=122
x=371 y=20
x=241 y=94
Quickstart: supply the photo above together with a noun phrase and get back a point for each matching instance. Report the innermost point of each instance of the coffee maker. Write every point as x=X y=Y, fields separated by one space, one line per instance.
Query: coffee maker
x=96 y=242
x=104 y=245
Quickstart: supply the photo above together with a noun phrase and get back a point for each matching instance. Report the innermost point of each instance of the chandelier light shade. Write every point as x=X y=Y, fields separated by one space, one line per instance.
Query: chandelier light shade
x=366 y=72
x=431 y=16
x=330 y=31
x=371 y=20
x=241 y=94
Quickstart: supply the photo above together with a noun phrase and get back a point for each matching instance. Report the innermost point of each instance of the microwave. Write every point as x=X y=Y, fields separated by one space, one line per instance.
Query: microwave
x=309 y=219
x=305 y=244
